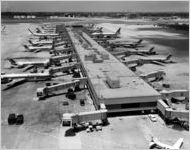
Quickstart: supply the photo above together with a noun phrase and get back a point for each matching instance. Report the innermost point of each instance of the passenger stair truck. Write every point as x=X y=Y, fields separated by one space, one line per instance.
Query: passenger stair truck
x=73 y=119
x=48 y=90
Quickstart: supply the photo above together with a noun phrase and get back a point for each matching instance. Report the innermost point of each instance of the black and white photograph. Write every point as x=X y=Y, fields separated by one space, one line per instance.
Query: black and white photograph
x=95 y=75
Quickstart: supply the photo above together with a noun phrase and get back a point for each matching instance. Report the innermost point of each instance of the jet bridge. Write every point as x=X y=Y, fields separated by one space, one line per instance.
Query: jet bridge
x=63 y=68
x=48 y=90
x=61 y=57
x=37 y=76
x=72 y=119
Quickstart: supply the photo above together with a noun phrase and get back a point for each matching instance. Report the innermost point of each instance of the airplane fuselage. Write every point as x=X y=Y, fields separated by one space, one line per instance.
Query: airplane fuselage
x=46 y=34
x=36 y=43
x=32 y=63
x=104 y=35
x=129 y=52
x=33 y=48
x=28 y=75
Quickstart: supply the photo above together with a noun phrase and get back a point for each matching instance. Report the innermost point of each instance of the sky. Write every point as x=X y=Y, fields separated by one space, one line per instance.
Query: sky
x=103 y=6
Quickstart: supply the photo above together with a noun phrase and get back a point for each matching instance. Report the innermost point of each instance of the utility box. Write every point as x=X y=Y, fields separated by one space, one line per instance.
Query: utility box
x=90 y=57
x=98 y=59
x=105 y=56
x=113 y=80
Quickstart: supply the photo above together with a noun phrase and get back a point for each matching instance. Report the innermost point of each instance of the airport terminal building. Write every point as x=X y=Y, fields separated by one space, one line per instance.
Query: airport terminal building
x=110 y=81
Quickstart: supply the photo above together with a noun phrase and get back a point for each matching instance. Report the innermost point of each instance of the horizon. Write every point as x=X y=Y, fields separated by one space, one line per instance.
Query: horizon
x=93 y=12
x=96 y=6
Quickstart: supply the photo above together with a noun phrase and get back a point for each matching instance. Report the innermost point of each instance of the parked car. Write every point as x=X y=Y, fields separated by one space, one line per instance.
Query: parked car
x=11 y=119
x=152 y=117
x=19 y=119
x=98 y=128
x=82 y=103
x=65 y=103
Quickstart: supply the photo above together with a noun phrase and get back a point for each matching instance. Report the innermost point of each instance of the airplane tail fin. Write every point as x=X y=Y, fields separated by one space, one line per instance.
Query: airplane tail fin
x=12 y=61
x=152 y=144
x=118 y=31
x=178 y=144
x=135 y=46
x=92 y=25
x=30 y=42
x=26 y=47
x=30 y=31
x=168 y=57
x=3 y=28
x=38 y=30
x=139 y=42
x=53 y=45
x=100 y=29
x=151 y=49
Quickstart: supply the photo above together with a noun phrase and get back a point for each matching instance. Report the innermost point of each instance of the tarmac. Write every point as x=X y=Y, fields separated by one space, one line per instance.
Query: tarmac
x=165 y=41
x=42 y=130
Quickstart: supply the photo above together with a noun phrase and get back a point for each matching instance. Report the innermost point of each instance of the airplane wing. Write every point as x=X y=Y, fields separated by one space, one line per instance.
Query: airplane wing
x=28 y=68
x=37 y=50
x=123 y=57
x=178 y=144
x=152 y=145
x=160 y=145
x=30 y=31
x=131 y=46
x=157 y=63
x=126 y=45
x=38 y=44
x=141 y=54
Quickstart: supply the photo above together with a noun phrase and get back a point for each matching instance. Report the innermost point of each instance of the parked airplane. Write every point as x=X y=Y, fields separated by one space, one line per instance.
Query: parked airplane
x=44 y=34
x=40 y=43
x=44 y=63
x=97 y=30
x=37 y=49
x=157 y=144
x=7 y=78
x=38 y=30
x=41 y=38
x=136 y=52
x=126 y=44
x=48 y=27
x=26 y=75
x=47 y=43
x=157 y=61
x=27 y=64
x=106 y=34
